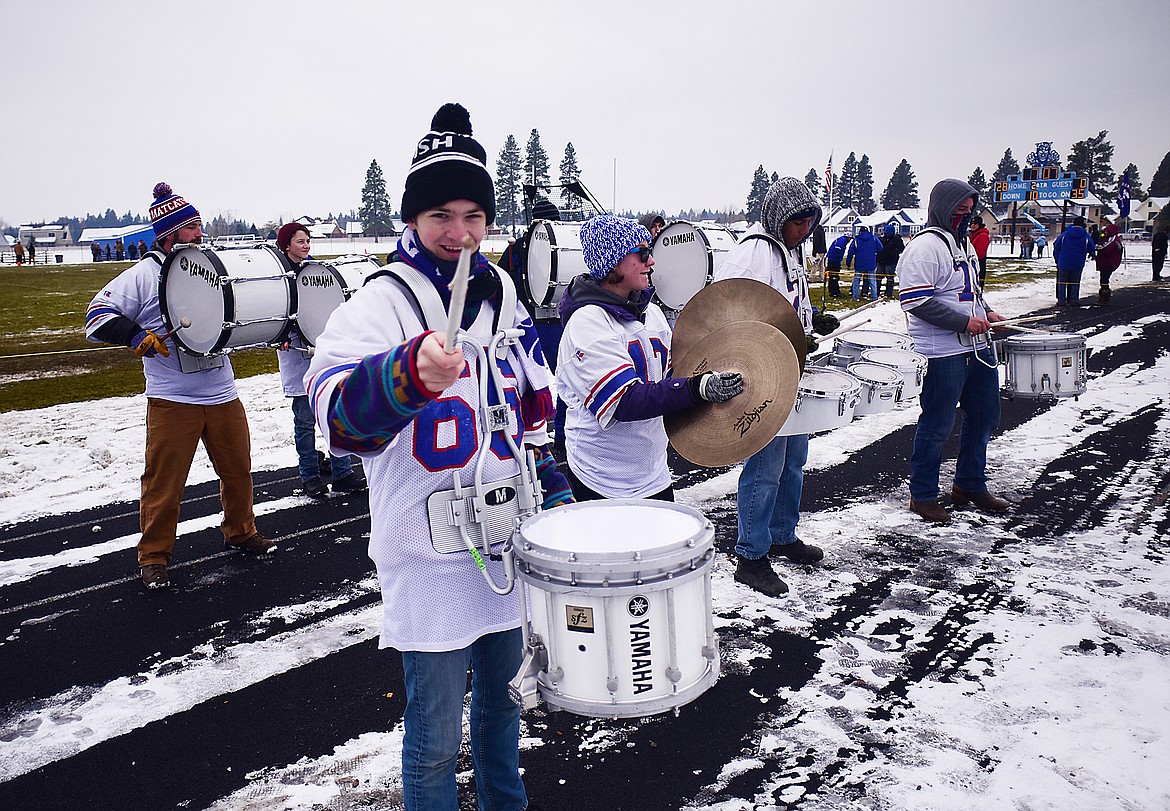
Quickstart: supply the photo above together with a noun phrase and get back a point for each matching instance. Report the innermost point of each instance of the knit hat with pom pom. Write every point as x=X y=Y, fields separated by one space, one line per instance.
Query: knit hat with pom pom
x=170 y=212
x=448 y=165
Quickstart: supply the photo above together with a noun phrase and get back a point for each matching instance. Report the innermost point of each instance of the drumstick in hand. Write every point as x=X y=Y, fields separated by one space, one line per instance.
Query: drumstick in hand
x=843 y=330
x=184 y=322
x=458 y=289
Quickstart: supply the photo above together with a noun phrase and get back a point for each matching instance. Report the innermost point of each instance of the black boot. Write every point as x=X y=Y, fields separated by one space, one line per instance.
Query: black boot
x=759 y=575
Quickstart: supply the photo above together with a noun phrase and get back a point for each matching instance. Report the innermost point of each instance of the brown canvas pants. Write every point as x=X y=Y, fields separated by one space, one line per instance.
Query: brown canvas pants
x=173 y=432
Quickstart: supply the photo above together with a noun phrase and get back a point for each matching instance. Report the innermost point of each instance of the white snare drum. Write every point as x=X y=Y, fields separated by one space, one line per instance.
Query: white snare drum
x=881 y=387
x=620 y=621
x=908 y=363
x=825 y=399
x=323 y=286
x=847 y=348
x=235 y=299
x=553 y=259
x=1046 y=366
x=686 y=256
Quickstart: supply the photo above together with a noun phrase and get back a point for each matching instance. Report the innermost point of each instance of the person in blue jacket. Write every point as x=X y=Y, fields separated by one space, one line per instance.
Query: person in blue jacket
x=833 y=260
x=1070 y=250
x=862 y=255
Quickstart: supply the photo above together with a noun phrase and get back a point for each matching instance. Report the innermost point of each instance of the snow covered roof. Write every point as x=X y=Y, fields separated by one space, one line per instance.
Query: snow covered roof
x=94 y=234
x=354 y=228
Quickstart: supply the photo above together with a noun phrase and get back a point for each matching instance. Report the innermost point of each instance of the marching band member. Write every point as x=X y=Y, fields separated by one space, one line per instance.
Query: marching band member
x=613 y=369
x=384 y=386
x=184 y=403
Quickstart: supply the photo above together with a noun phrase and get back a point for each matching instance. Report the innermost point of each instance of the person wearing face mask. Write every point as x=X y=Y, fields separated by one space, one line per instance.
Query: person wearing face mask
x=384 y=384
x=614 y=365
x=293 y=358
x=949 y=322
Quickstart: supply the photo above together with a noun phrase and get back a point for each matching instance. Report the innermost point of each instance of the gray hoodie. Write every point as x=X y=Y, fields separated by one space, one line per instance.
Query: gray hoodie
x=945 y=197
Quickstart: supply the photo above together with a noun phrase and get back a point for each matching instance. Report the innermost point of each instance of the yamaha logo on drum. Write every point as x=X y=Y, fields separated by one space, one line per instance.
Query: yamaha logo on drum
x=199 y=271
x=641 y=657
x=318 y=280
x=678 y=239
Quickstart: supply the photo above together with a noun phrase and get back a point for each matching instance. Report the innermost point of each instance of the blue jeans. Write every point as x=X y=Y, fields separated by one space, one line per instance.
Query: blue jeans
x=768 y=498
x=956 y=380
x=435 y=686
x=870 y=282
x=305 y=439
x=1068 y=286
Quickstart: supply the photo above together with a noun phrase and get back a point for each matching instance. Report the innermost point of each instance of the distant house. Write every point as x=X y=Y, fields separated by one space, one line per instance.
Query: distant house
x=840 y=221
x=47 y=236
x=1143 y=214
x=354 y=228
x=906 y=221
x=325 y=230
x=1050 y=214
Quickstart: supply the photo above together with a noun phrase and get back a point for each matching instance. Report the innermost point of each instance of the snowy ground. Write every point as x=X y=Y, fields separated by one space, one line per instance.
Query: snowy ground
x=1017 y=662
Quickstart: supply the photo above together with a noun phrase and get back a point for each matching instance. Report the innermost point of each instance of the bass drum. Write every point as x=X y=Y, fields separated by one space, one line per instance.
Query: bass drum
x=552 y=258
x=686 y=256
x=323 y=286
x=235 y=299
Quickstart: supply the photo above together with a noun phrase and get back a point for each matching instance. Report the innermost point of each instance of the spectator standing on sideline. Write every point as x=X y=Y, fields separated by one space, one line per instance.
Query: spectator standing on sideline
x=18 y=252
x=771 y=482
x=1108 y=258
x=833 y=260
x=188 y=399
x=1040 y=244
x=887 y=257
x=32 y=250
x=1026 y=243
x=293 y=241
x=1070 y=250
x=949 y=321
x=1158 y=253
x=980 y=239
x=383 y=385
x=142 y=249
x=614 y=370
x=862 y=256
x=95 y=250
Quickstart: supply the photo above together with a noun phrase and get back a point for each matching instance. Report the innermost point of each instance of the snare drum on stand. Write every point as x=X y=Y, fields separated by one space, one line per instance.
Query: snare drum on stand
x=881 y=387
x=825 y=399
x=235 y=299
x=552 y=258
x=849 y=347
x=1046 y=366
x=910 y=364
x=686 y=256
x=323 y=286
x=619 y=621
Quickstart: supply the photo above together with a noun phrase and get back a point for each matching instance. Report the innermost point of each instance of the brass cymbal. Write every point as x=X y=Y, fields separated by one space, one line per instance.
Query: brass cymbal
x=730 y=300
x=716 y=434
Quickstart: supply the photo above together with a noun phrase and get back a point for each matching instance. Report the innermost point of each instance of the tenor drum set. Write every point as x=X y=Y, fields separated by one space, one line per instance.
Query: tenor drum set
x=220 y=301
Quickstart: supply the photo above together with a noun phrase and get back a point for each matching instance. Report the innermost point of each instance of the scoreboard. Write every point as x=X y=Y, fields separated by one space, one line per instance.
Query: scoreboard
x=1045 y=183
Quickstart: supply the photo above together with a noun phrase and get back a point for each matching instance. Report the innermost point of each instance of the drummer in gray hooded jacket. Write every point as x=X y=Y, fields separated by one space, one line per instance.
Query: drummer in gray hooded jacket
x=770 y=484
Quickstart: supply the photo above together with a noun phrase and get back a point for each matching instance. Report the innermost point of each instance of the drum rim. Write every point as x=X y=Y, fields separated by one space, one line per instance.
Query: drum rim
x=824 y=392
x=844 y=340
x=893 y=371
x=710 y=275
x=629 y=708
x=1038 y=344
x=919 y=360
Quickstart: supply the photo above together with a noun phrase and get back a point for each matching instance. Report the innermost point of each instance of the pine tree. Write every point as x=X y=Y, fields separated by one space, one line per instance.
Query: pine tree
x=813 y=181
x=1007 y=166
x=569 y=173
x=1090 y=159
x=1136 y=192
x=902 y=190
x=980 y=184
x=755 y=198
x=865 y=202
x=1160 y=184
x=847 y=190
x=508 y=181
x=375 y=211
x=535 y=161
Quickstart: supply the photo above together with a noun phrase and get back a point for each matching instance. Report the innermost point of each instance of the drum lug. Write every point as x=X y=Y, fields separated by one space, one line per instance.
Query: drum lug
x=523 y=688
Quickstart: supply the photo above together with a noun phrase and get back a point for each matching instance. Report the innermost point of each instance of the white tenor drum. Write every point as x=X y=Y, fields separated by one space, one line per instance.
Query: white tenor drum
x=686 y=256
x=1046 y=366
x=235 y=299
x=910 y=364
x=553 y=259
x=619 y=601
x=881 y=387
x=848 y=348
x=825 y=399
x=323 y=286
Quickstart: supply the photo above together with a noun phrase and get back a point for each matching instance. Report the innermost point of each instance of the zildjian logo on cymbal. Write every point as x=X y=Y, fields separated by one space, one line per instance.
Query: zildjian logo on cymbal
x=750 y=418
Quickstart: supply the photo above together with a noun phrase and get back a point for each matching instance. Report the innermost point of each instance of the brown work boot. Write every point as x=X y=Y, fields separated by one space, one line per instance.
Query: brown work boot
x=154 y=576
x=983 y=500
x=931 y=510
x=255 y=544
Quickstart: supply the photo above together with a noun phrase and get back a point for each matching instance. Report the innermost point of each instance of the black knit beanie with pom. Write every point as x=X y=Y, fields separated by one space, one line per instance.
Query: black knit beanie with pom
x=448 y=165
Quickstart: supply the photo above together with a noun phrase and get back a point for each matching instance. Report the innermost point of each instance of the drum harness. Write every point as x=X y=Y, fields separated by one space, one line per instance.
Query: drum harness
x=470 y=505
x=977 y=342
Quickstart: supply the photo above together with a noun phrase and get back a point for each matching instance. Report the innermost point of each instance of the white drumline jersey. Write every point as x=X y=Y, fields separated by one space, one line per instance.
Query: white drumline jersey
x=765 y=260
x=928 y=269
x=431 y=601
x=600 y=357
x=134 y=294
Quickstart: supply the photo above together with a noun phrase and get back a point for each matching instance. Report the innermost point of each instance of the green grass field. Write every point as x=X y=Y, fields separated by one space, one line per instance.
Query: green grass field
x=45 y=359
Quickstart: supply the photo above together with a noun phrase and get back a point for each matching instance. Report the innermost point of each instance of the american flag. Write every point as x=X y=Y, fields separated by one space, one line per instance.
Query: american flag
x=829 y=175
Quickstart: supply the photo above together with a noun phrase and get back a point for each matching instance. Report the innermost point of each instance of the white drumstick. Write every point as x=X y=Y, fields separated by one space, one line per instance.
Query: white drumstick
x=458 y=289
x=861 y=309
x=843 y=330
x=1011 y=321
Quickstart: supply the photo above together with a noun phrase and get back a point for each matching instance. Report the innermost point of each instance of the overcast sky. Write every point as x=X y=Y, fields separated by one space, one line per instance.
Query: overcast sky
x=267 y=110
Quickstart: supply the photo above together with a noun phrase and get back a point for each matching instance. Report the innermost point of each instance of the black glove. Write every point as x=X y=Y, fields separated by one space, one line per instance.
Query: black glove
x=824 y=323
x=811 y=343
x=719 y=387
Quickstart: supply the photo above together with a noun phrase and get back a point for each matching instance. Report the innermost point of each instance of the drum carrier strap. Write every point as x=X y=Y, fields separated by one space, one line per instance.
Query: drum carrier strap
x=425 y=299
x=960 y=255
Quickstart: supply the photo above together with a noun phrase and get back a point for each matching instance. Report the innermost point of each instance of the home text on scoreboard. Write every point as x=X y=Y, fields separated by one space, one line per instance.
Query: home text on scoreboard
x=1044 y=183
